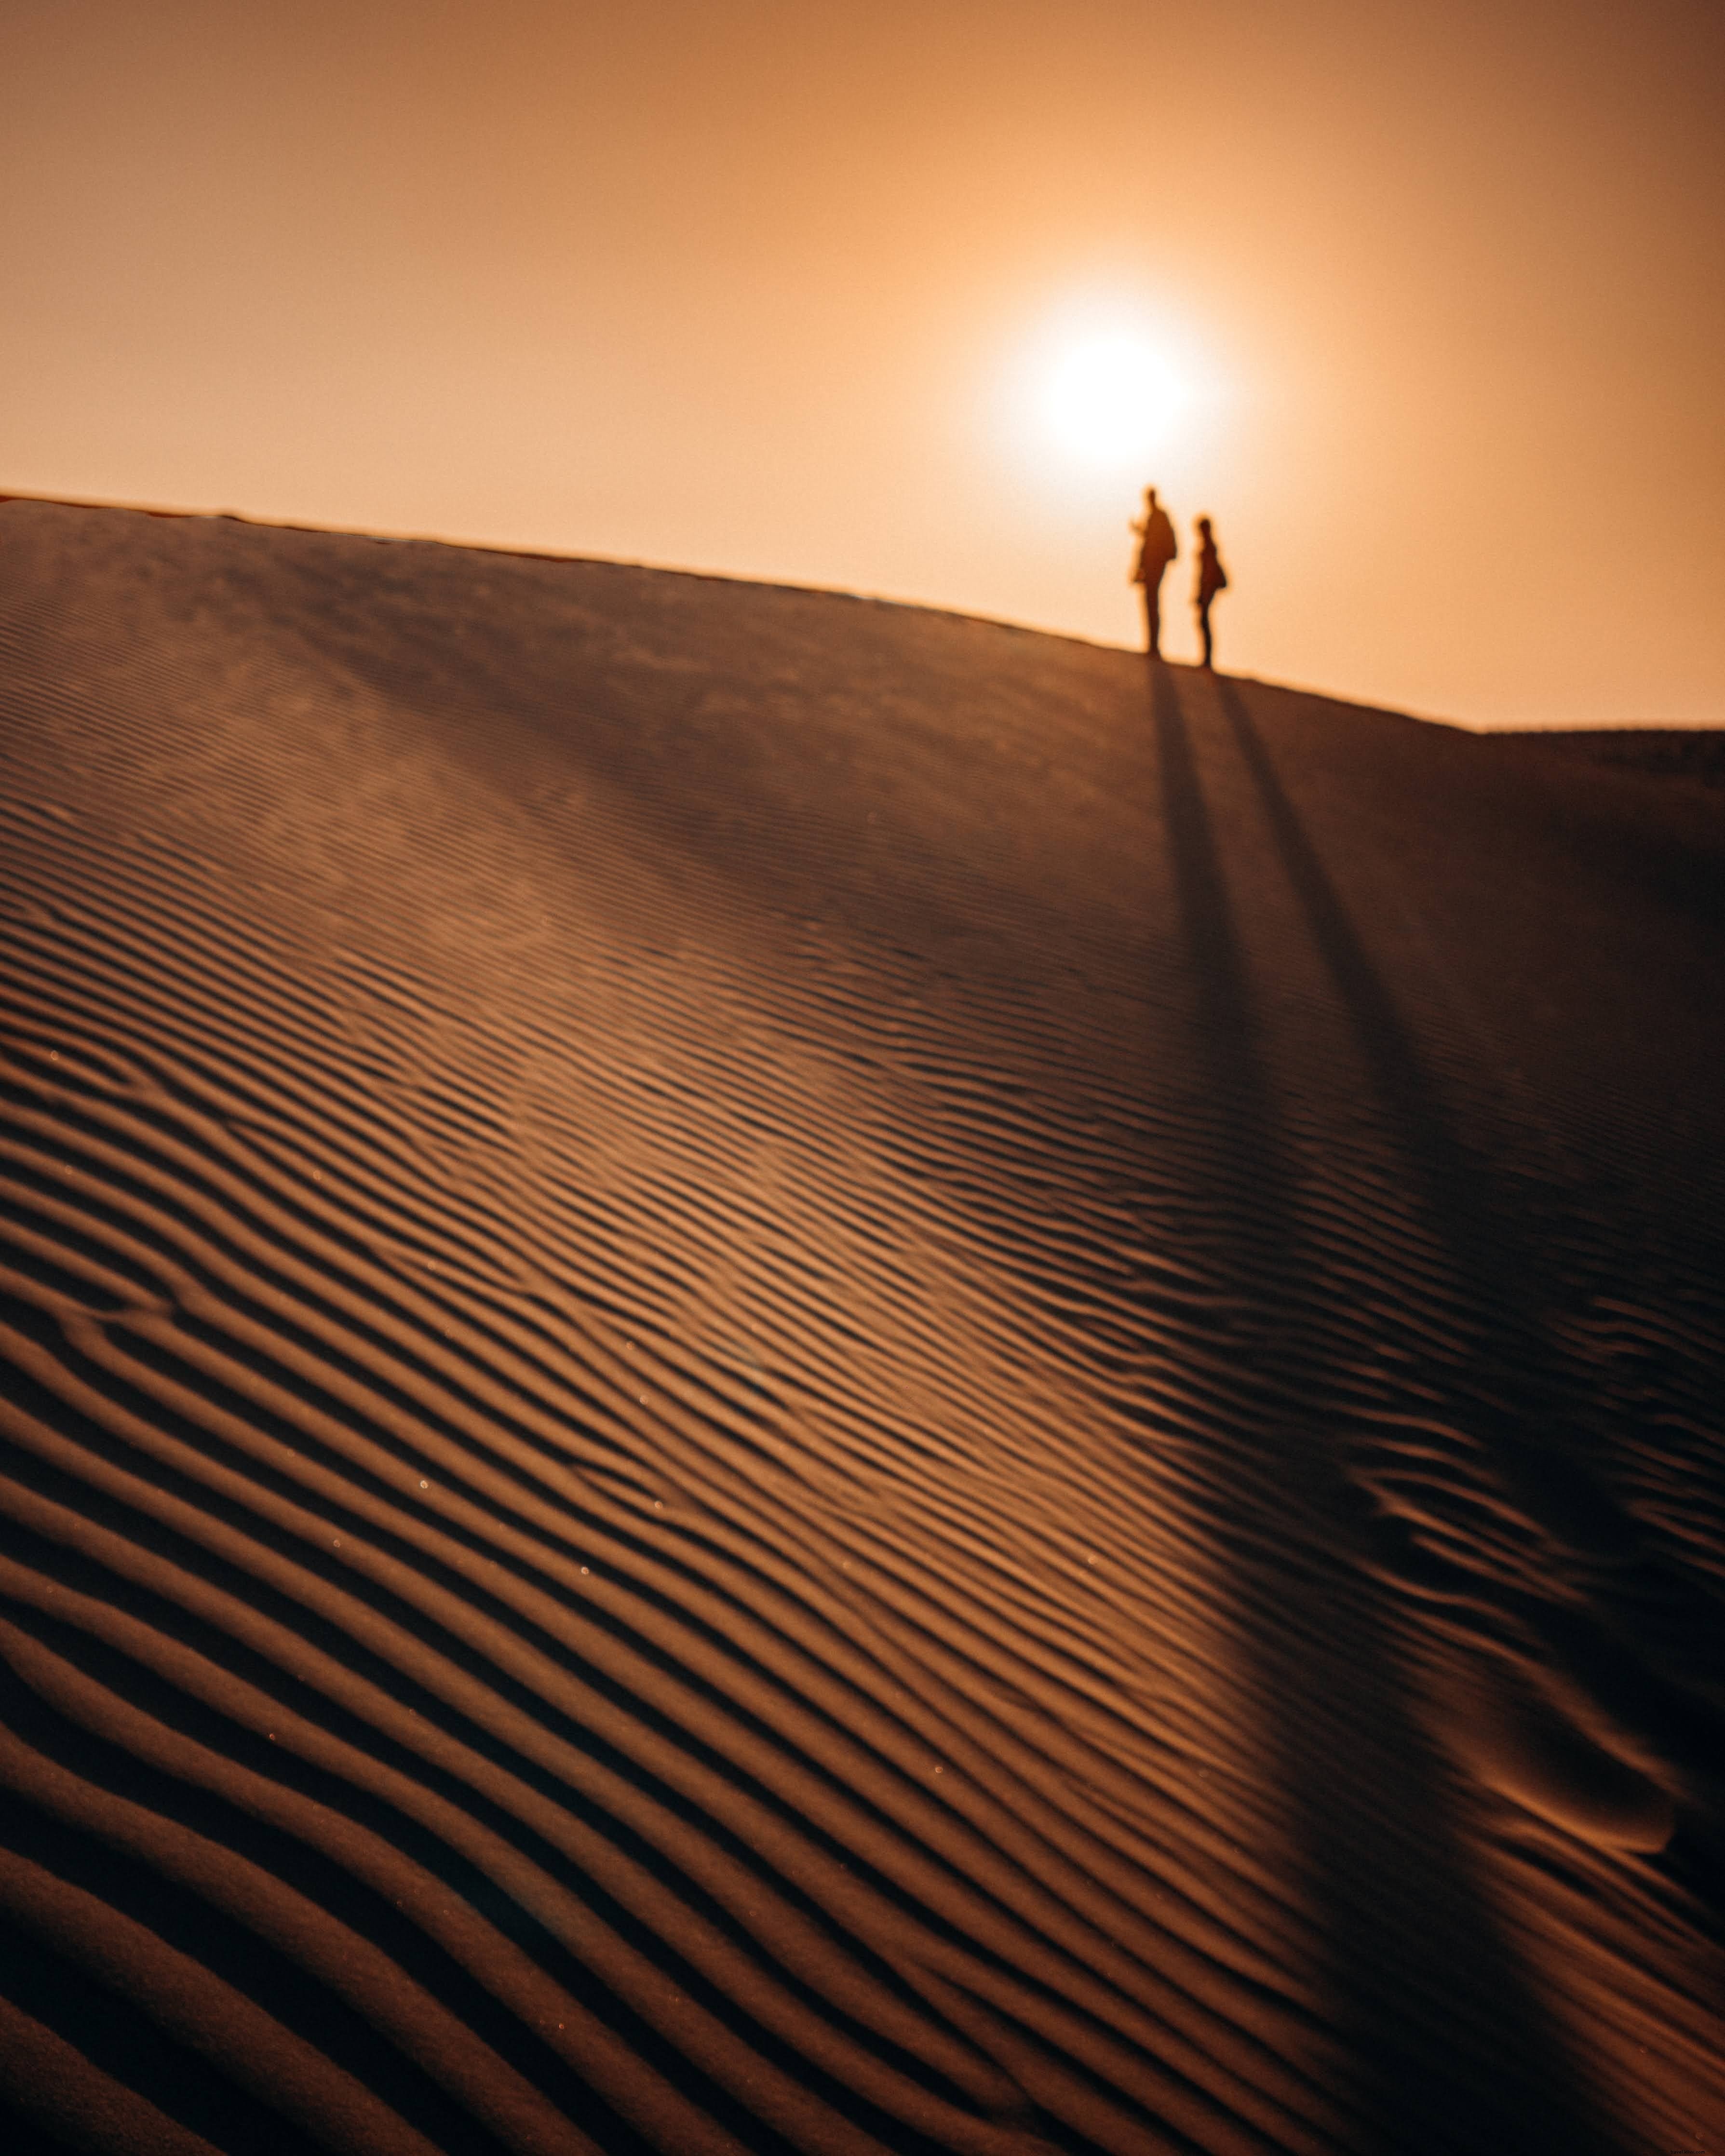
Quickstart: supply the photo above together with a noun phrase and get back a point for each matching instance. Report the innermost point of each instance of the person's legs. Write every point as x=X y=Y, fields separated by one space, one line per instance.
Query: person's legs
x=1204 y=628
x=1153 y=616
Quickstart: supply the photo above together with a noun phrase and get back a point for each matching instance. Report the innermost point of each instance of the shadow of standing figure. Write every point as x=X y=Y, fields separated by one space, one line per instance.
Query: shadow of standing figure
x=1446 y=2044
x=1212 y=577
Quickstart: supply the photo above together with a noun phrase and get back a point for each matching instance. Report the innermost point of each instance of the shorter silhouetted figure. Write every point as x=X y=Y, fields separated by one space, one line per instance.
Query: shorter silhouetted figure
x=1212 y=577
x=1157 y=547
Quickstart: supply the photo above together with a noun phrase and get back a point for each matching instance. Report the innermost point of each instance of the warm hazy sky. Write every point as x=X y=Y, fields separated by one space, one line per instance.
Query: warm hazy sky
x=779 y=289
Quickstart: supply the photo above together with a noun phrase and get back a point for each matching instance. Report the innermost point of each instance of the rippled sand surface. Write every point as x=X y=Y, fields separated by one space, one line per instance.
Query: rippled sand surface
x=788 y=1375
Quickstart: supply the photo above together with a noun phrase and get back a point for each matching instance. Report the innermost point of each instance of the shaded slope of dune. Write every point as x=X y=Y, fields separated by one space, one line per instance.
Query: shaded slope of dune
x=1690 y=752
x=787 y=1375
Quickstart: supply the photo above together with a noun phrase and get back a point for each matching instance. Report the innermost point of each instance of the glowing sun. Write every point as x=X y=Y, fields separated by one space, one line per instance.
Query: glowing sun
x=1114 y=397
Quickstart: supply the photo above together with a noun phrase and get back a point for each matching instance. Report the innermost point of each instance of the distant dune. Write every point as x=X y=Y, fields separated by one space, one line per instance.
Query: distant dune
x=1667 y=752
x=786 y=1374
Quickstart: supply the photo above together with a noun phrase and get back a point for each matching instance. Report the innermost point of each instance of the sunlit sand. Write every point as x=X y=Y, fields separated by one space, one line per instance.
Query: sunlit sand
x=786 y=1374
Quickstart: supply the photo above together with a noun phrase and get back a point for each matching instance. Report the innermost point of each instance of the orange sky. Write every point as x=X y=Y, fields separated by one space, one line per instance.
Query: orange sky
x=771 y=288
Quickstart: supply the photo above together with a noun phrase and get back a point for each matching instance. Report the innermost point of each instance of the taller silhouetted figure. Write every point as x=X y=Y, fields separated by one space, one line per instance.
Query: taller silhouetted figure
x=1212 y=577
x=1157 y=547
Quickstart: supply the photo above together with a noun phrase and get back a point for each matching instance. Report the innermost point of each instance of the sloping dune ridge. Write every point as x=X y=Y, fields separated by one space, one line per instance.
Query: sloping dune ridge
x=782 y=1374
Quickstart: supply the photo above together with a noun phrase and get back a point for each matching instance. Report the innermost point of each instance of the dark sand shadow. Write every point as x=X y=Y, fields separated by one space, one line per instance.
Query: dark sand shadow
x=1451 y=2049
x=1528 y=1405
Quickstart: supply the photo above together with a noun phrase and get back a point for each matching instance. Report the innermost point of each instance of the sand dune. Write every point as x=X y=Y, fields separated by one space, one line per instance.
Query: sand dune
x=782 y=1374
x=1684 y=752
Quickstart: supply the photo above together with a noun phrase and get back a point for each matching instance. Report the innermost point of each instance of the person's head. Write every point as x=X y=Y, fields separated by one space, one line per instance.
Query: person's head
x=1204 y=525
x=1149 y=497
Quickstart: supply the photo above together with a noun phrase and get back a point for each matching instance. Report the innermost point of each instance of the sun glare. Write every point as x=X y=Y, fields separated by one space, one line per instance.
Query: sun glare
x=1104 y=389
x=1114 y=398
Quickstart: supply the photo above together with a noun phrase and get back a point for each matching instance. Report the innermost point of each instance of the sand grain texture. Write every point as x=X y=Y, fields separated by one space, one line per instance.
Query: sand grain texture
x=781 y=1374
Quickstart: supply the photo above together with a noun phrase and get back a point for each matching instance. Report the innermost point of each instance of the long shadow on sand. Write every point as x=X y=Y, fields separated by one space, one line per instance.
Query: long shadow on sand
x=1449 y=2048
x=1525 y=1407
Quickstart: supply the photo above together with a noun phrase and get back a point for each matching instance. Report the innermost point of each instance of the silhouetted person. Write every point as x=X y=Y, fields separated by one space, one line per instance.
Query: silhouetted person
x=1212 y=577
x=1157 y=547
